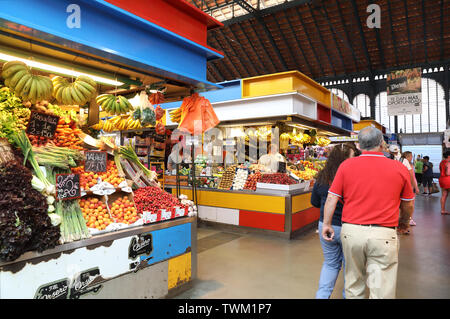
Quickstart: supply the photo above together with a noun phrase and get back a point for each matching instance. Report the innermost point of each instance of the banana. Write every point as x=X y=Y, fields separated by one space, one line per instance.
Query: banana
x=125 y=105
x=87 y=86
x=82 y=91
x=13 y=80
x=80 y=100
x=13 y=69
x=26 y=89
x=66 y=99
x=57 y=93
x=21 y=83
x=101 y=98
x=39 y=91
x=9 y=64
x=88 y=80
x=106 y=105
x=33 y=88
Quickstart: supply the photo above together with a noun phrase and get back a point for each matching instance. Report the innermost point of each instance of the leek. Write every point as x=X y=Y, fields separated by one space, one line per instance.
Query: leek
x=129 y=153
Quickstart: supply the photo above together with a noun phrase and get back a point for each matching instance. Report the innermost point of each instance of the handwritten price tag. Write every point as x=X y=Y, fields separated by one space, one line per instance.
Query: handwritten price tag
x=95 y=161
x=68 y=186
x=41 y=124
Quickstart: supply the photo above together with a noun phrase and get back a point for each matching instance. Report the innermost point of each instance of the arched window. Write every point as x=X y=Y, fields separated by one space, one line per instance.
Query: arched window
x=341 y=94
x=362 y=103
x=432 y=118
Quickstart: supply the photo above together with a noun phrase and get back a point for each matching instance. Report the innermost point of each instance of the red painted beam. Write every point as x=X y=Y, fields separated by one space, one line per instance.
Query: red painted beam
x=176 y=16
x=305 y=217
x=261 y=220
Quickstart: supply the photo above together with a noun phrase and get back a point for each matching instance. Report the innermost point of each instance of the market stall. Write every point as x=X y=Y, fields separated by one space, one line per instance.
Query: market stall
x=238 y=192
x=82 y=214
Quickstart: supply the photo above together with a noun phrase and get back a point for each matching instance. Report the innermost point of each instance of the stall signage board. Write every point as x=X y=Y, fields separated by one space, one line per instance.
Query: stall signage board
x=41 y=124
x=341 y=105
x=95 y=161
x=404 y=92
x=281 y=167
x=68 y=186
x=83 y=271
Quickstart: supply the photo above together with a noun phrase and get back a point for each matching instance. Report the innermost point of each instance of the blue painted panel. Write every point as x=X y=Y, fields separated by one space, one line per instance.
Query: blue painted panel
x=341 y=121
x=112 y=33
x=169 y=242
x=231 y=91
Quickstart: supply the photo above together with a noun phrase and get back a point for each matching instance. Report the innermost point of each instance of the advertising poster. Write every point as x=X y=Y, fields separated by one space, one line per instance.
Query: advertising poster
x=404 y=92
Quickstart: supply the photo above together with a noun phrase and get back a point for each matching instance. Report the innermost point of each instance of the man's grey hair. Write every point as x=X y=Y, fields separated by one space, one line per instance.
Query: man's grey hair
x=369 y=138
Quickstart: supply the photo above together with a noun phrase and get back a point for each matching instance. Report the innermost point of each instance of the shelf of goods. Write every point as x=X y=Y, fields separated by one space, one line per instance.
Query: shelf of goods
x=79 y=210
x=305 y=113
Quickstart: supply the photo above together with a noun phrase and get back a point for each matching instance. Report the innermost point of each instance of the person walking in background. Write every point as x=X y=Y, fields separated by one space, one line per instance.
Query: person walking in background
x=418 y=169
x=373 y=189
x=394 y=150
x=444 y=180
x=427 y=177
x=333 y=257
x=406 y=160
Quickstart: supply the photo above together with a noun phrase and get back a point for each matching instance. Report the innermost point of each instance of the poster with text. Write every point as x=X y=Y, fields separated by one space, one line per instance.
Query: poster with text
x=404 y=92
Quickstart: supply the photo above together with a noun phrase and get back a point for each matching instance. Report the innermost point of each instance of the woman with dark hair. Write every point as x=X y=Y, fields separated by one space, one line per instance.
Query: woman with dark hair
x=444 y=181
x=406 y=160
x=332 y=251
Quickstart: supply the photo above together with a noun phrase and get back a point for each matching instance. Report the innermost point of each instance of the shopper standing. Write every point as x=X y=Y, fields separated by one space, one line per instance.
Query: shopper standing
x=332 y=251
x=373 y=189
x=406 y=160
x=418 y=169
x=427 y=178
x=394 y=150
x=444 y=180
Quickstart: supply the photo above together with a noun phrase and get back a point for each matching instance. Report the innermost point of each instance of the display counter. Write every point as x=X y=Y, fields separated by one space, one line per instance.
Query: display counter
x=283 y=214
x=151 y=261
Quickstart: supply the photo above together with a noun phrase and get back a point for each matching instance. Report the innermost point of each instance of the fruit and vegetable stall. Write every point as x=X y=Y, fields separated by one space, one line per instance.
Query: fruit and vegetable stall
x=80 y=213
x=288 y=107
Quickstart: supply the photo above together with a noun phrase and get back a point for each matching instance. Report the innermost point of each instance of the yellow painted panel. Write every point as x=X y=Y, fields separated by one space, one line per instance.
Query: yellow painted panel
x=313 y=89
x=257 y=203
x=301 y=202
x=285 y=82
x=179 y=270
x=267 y=86
x=362 y=124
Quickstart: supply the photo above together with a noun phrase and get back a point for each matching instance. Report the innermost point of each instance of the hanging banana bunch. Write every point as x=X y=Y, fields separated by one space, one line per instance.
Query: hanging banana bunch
x=29 y=87
x=284 y=141
x=81 y=91
x=175 y=115
x=114 y=105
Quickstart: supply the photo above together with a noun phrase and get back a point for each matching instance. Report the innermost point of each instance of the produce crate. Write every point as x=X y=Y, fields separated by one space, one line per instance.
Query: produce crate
x=102 y=199
x=164 y=214
x=113 y=197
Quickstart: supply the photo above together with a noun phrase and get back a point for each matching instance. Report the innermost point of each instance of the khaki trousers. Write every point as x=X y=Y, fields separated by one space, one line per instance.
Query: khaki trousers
x=371 y=259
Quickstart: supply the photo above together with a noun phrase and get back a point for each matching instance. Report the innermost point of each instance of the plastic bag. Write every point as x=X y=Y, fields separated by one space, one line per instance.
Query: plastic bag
x=148 y=117
x=197 y=108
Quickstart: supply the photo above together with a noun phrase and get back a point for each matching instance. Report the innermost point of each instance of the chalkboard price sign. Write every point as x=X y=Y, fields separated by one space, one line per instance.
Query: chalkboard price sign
x=281 y=167
x=95 y=161
x=68 y=186
x=41 y=124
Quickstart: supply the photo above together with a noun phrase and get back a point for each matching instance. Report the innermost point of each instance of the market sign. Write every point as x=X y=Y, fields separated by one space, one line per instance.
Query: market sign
x=41 y=124
x=95 y=161
x=68 y=186
x=404 y=92
x=352 y=138
x=344 y=107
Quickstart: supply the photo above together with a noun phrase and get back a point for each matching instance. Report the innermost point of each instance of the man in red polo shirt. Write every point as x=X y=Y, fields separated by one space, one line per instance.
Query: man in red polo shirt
x=373 y=188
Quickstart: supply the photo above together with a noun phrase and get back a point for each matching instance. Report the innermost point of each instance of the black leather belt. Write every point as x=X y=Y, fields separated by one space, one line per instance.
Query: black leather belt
x=373 y=225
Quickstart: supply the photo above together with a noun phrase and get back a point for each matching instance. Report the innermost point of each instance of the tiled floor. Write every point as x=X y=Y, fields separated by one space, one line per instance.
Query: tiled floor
x=256 y=266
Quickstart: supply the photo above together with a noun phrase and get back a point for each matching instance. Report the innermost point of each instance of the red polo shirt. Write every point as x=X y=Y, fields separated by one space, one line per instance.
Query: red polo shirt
x=372 y=187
